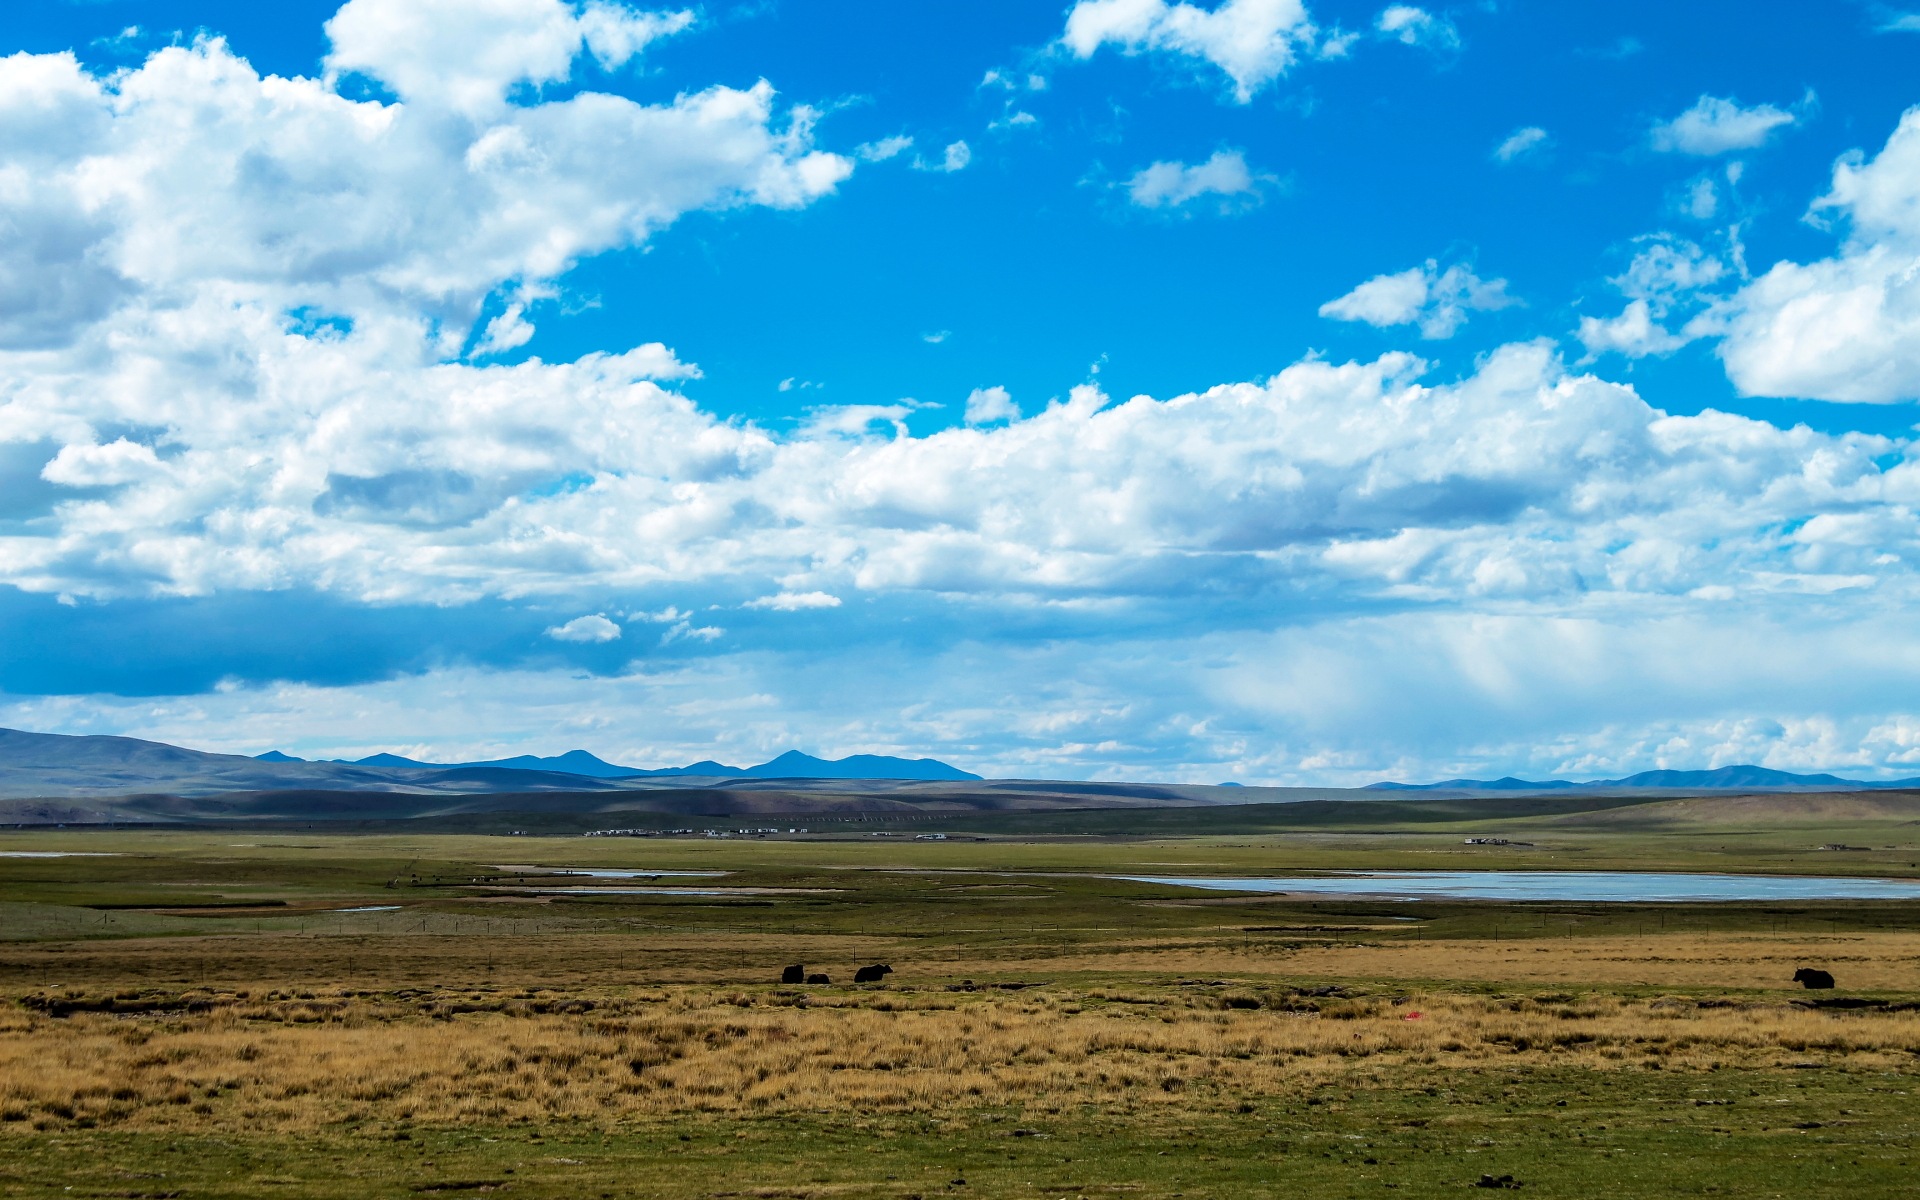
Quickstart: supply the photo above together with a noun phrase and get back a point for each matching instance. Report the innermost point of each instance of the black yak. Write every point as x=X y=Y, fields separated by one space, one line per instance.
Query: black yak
x=1807 y=977
x=872 y=974
x=794 y=974
x=818 y=979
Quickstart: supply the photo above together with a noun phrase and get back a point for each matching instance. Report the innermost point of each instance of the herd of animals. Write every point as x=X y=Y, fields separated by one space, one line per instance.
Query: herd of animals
x=798 y=974
x=1806 y=977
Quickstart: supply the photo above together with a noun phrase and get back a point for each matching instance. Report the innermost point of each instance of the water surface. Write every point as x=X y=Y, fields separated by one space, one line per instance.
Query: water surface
x=600 y=873
x=1557 y=885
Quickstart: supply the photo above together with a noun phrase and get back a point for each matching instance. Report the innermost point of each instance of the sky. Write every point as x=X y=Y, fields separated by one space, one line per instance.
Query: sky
x=1253 y=390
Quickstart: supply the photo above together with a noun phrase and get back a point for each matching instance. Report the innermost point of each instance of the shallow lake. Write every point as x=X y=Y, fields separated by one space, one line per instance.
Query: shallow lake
x=600 y=873
x=1557 y=885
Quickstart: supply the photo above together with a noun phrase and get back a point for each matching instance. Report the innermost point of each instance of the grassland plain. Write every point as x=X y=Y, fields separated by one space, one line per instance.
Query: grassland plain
x=295 y=1013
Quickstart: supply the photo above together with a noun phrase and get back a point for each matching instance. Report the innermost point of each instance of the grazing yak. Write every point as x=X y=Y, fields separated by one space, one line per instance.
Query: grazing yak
x=1807 y=977
x=872 y=974
x=793 y=974
x=818 y=979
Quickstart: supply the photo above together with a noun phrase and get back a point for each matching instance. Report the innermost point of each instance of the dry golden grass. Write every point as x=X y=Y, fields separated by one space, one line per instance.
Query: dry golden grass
x=290 y=1061
x=1862 y=962
x=564 y=958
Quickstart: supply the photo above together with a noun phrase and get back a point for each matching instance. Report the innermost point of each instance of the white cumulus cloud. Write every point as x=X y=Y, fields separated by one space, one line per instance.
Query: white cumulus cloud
x=245 y=336
x=985 y=406
x=1523 y=143
x=1413 y=26
x=795 y=601
x=1252 y=41
x=467 y=54
x=119 y=461
x=1668 y=275
x=1634 y=333
x=884 y=149
x=1715 y=125
x=192 y=175
x=1843 y=328
x=1437 y=301
x=589 y=629
x=954 y=158
x=1173 y=184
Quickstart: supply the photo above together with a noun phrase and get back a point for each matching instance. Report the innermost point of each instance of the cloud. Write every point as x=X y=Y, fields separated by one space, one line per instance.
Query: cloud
x=118 y=462
x=245 y=383
x=884 y=149
x=689 y=632
x=986 y=406
x=1900 y=22
x=590 y=629
x=466 y=55
x=1417 y=27
x=1523 y=143
x=1096 y=589
x=1844 y=328
x=1702 y=201
x=1252 y=41
x=1667 y=275
x=190 y=177
x=795 y=601
x=1435 y=300
x=1174 y=184
x=1716 y=126
x=1633 y=333
x=954 y=158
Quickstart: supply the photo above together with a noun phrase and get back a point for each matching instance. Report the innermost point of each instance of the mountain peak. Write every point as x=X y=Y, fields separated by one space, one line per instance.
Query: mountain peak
x=795 y=764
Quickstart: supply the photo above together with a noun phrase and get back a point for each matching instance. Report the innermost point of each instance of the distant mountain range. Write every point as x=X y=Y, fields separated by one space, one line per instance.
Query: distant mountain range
x=49 y=765
x=791 y=765
x=1745 y=777
x=47 y=778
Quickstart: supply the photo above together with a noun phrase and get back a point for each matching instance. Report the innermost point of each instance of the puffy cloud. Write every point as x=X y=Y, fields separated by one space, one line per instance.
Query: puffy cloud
x=1702 y=201
x=1435 y=300
x=269 y=373
x=386 y=482
x=230 y=284
x=796 y=601
x=884 y=149
x=985 y=406
x=1633 y=333
x=1252 y=41
x=1715 y=125
x=191 y=177
x=1667 y=270
x=589 y=629
x=1666 y=274
x=1413 y=26
x=1845 y=328
x=1173 y=184
x=954 y=158
x=1523 y=143
x=1468 y=563
x=466 y=55
x=117 y=462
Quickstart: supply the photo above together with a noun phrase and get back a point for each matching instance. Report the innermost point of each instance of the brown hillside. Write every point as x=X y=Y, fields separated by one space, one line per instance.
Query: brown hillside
x=1771 y=809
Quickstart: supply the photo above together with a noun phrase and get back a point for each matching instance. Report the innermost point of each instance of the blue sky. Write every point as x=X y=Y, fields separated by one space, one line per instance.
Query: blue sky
x=1293 y=393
